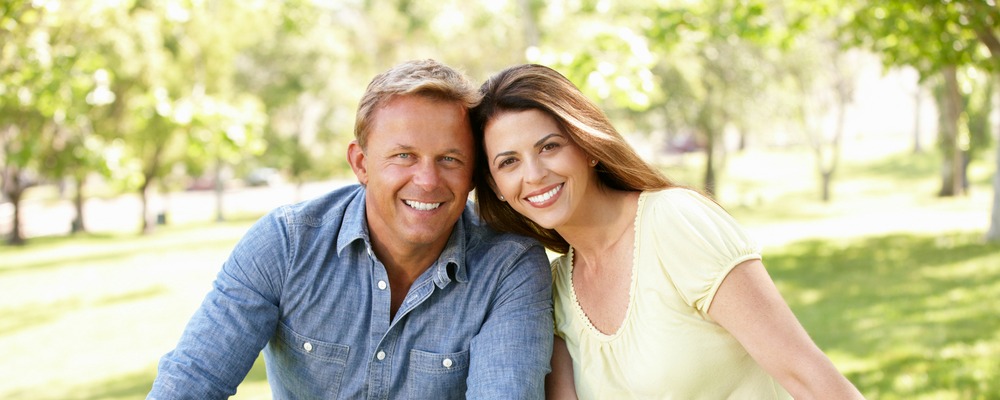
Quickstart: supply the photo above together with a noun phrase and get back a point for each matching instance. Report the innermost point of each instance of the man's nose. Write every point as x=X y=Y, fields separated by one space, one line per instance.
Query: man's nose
x=427 y=175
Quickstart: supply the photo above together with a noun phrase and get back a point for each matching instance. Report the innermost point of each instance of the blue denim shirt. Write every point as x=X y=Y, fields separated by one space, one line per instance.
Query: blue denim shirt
x=304 y=286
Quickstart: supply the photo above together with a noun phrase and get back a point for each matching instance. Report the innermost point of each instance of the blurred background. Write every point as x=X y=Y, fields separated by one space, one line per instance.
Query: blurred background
x=857 y=140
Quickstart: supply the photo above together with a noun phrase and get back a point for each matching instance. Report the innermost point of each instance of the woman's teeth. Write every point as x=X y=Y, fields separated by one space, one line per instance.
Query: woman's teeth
x=545 y=196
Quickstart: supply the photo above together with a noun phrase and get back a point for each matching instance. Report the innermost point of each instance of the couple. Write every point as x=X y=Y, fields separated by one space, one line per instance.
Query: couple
x=394 y=288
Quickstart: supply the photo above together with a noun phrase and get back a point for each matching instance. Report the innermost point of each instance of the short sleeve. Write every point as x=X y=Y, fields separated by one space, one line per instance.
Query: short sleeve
x=697 y=242
x=561 y=295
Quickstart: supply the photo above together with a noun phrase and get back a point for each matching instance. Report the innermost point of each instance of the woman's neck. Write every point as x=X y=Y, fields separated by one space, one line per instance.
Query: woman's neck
x=601 y=223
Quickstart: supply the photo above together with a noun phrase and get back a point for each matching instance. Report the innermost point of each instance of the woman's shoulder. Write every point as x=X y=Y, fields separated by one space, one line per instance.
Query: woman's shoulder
x=676 y=202
x=680 y=219
x=561 y=267
x=674 y=194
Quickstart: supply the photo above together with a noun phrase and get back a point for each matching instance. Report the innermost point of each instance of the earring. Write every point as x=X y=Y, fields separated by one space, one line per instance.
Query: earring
x=593 y=163
x=502 y=198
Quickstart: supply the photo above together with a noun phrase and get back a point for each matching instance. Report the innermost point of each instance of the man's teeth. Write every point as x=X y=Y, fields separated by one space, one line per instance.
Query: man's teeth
x=422 y=206
x=545 y=196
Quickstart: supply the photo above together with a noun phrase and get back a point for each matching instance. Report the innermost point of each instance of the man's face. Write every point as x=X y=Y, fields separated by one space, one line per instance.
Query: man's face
x=418 y=172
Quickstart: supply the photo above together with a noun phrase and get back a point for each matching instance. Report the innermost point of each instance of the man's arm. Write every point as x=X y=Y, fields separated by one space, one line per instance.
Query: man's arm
x=234 y=322
x=511 y=354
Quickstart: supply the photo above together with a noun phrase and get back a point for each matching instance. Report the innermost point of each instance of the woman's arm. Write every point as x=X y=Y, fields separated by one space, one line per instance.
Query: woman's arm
x=559 y=382
x=749 y=306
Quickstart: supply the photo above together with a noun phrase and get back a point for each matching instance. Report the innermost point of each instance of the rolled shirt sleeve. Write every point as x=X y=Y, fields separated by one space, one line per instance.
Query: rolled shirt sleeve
x=511 y=354
x=234 y=322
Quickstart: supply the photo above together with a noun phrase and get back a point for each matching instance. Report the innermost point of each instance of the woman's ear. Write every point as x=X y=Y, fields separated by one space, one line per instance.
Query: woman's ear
x=356 y=157
x=493 y=186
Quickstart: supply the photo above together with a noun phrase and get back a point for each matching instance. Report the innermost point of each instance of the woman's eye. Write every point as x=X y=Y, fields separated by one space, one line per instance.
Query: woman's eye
x=550 y=146
x=505 y=162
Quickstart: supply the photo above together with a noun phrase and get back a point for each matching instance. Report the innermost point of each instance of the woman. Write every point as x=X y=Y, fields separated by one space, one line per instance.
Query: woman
x=658 y=292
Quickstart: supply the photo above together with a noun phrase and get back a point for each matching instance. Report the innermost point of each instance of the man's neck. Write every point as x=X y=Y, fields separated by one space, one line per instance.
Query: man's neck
x=404 y=264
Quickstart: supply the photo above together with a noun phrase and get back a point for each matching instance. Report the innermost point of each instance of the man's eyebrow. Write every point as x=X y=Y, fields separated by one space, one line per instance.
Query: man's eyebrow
x=406 y=147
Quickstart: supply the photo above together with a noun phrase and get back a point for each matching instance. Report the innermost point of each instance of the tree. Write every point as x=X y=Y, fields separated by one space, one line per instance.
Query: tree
x=719 y=46
x=823 y=74
x=937 y=38
x=33 y=99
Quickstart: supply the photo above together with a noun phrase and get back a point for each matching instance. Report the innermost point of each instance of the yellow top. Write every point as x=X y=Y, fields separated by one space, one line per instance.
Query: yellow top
x=667 y=347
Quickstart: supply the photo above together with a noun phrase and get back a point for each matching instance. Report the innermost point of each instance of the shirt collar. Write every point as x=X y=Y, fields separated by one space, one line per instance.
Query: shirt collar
x=450 y=266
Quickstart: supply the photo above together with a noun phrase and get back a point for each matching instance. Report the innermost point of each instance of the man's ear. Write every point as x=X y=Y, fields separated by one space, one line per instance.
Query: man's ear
x=356 y=157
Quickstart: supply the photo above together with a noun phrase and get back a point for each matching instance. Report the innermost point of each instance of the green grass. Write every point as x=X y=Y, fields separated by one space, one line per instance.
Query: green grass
x=894 y=285
x=903 y=316
x=88 y=317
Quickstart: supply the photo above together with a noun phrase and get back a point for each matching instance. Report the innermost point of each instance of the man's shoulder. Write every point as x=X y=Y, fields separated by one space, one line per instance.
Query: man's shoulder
x=331 y=206
x=484 y=242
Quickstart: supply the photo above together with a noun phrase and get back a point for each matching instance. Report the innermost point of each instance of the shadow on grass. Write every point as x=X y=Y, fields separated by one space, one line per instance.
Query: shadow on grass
x=115 y=246
x=30 y=315
x=778 y=210
x=137 y=385
x=112 y=255
x=899 y=167
x=919 y=311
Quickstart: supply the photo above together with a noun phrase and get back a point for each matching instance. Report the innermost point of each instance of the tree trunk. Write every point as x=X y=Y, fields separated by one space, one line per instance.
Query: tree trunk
x=993 y=235
x=218 y=188
x=993 y=44
x=530 y=19
x=917 y=147
x=845 y=93
x=16 y=237
x=951 y=183
x=710 y=162
x=78 y=225
x=148 y=219
x=13 y=189
x=826 y=178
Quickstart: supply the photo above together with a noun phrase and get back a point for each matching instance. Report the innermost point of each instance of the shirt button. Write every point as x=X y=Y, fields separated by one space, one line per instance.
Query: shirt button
x=380 y=355
x=381 y=285
x=447 y=363
x=307 y=346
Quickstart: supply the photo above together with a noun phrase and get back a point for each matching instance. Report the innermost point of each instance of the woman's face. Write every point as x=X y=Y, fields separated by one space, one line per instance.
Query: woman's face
x=536 y=167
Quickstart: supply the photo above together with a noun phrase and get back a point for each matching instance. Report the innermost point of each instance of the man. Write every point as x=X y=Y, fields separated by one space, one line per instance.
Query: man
x=388 y=289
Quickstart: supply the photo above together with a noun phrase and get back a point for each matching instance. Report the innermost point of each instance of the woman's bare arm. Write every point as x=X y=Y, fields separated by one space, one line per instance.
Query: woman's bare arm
x=559 y=382
x=750 y=307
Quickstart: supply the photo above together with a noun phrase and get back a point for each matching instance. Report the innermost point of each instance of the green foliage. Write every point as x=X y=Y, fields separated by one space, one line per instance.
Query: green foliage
x=145 y=91
x=926 y=34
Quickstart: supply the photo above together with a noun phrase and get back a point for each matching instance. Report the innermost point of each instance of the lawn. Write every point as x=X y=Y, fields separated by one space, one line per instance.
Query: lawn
x=894 y=284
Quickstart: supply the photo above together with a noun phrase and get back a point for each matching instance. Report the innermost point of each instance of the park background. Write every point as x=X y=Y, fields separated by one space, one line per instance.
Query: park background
x=856 y=140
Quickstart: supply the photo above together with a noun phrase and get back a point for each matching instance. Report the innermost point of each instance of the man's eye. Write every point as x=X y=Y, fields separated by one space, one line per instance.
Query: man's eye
x=403 y=155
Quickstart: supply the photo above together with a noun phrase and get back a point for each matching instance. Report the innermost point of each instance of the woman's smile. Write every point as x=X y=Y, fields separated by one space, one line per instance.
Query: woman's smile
x=545 y=198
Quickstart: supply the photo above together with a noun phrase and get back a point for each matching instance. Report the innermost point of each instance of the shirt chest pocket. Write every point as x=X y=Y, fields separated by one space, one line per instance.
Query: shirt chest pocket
x=310 y=368
x=437 y=375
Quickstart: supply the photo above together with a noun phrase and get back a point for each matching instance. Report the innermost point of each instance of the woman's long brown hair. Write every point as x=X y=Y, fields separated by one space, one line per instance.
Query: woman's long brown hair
x=537 y=87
